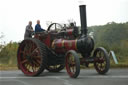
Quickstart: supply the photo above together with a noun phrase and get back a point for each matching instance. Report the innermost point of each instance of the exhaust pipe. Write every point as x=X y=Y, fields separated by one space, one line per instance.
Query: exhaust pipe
x=83 y=20
x=85 y=44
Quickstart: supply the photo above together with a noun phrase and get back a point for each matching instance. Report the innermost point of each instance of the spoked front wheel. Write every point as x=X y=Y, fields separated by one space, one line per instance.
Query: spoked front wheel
x=72 y=64
x=102 y=61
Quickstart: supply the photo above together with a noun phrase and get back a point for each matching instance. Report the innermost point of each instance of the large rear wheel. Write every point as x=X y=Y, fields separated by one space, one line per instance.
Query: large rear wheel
x=72 y=64
x=101 y=62
x=31 y=57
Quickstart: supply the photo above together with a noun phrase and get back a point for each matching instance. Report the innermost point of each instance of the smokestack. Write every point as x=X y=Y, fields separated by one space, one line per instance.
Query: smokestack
x=83 y=20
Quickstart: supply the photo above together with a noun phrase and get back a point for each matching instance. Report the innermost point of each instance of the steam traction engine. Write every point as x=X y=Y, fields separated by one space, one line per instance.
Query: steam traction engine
x=56 y=48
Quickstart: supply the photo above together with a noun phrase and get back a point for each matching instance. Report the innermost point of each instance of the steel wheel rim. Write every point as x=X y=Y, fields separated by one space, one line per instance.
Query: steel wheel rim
x=70 y=64
x=101 y=61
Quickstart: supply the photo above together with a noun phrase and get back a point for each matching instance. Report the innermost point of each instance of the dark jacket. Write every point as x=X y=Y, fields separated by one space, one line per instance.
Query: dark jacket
x=38 y=28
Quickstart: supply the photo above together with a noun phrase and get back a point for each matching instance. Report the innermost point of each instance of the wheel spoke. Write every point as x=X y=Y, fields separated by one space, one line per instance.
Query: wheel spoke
x=101 y=66
x=72 y=63
x=28 y=67
x=73 y=69
x=33 y=68
x=37 y=57
x=24 y=61
x=39 y=62
x=36 y=62
x=34 y=51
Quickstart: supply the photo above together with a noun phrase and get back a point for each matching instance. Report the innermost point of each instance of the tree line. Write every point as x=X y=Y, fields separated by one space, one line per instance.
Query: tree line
x=112 y=36
x=8 y=53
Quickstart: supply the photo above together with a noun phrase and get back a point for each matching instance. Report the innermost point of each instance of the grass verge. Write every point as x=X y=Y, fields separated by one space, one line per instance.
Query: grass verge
x=8 y=67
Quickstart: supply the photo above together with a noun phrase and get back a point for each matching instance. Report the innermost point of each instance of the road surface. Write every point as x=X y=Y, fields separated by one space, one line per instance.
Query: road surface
x=86 y=77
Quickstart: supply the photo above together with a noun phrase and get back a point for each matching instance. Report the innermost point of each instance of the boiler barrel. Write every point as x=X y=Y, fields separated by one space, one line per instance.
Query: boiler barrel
x=82 y=45
x=62 y=46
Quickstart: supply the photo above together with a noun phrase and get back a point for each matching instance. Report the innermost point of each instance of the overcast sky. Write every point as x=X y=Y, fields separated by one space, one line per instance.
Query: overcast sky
x=15 y=14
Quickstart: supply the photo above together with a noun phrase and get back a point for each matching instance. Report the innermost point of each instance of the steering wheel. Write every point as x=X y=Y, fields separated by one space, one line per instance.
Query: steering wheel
x=55 y=27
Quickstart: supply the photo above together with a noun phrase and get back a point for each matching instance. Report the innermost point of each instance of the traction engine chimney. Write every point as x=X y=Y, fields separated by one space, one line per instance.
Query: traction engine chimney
x=83 y=20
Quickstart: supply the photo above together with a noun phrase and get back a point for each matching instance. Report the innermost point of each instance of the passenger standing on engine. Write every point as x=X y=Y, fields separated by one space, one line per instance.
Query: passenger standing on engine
x=29 y=30
x=38 y=27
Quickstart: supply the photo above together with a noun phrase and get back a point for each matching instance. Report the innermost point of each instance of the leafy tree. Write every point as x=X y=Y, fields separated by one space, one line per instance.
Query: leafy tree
x=8 y=53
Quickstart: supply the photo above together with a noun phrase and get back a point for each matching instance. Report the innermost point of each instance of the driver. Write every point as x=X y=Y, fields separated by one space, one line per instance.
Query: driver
x=38 y=27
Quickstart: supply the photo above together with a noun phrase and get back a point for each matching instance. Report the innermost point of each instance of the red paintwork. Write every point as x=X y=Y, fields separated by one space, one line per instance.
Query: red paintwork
x=44 y=38
x=61 y=45
x=47 y=40
x=70 y=32
x=70 y=44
